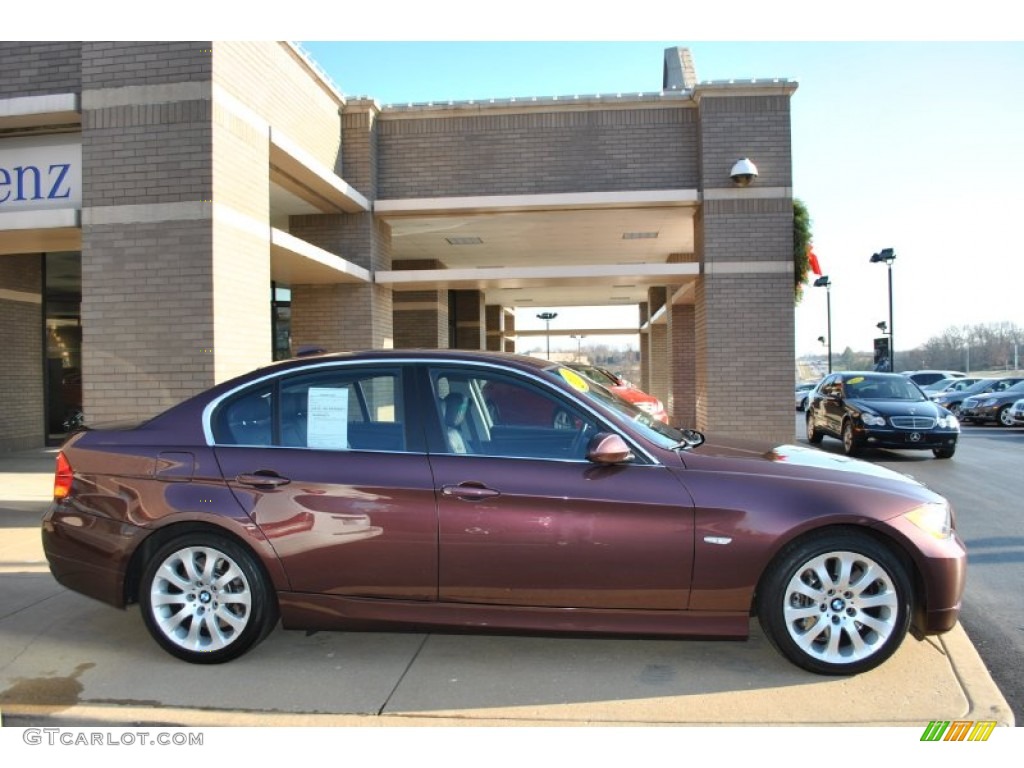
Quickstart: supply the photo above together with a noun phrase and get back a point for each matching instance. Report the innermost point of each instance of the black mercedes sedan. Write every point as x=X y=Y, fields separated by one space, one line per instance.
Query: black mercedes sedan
x=884 y=410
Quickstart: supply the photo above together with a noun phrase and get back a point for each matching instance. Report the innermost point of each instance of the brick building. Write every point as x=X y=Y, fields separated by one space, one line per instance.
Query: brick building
x=173 y=214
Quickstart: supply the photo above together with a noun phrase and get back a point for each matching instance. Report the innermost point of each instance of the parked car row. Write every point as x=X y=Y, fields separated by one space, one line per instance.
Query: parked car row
x=993 y=405
x=953 y=399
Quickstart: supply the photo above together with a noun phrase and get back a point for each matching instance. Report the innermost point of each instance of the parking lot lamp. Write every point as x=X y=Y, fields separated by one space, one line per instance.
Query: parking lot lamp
x=547 y=317
x=887 y=256
x=824 y=282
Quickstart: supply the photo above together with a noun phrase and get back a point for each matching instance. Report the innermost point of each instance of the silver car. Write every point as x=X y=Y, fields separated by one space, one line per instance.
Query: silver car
x=1017 y=413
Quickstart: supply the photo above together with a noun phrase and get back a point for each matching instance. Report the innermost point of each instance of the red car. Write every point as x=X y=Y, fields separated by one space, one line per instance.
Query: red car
x=628 y=392
x=380 y=490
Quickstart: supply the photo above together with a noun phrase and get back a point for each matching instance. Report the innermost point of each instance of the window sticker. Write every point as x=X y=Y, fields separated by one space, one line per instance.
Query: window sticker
x=575 y=380
x=327 y=424
x=855 y=380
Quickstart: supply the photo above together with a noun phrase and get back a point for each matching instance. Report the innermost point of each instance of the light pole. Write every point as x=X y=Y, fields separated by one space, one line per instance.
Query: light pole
x=547 y=317
x=824 y=282
x=579 y=345
x=887 y=256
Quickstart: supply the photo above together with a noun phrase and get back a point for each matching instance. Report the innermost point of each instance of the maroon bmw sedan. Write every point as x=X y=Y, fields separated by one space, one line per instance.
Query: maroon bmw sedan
x=383 y=490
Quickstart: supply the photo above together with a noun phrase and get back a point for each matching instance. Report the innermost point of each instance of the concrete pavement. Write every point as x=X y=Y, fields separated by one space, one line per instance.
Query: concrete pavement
x=67 y=659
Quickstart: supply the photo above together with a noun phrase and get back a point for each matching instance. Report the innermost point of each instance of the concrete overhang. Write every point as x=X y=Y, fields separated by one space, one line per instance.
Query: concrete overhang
x=298 y=172
x=489 y=278
x=294 y=261
x=549 y=202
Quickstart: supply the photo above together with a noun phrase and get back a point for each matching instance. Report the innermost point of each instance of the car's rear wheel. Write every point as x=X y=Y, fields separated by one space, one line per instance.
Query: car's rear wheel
x=205 y=598
x=839 y=604
x=852 y=444
x=813 y=435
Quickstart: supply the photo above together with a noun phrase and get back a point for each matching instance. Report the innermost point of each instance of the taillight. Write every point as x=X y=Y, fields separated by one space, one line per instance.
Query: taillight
x=63 y=478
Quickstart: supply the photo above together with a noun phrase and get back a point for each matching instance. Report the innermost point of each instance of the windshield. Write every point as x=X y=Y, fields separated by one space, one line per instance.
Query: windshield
x=657 y=432
x=868 y=387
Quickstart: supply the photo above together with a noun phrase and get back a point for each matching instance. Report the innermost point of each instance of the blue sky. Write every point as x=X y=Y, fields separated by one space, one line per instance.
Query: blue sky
x=917 y=146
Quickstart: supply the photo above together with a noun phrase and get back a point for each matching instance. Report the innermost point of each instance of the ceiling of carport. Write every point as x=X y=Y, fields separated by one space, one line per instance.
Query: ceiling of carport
x=543 y=239
x=577 y=238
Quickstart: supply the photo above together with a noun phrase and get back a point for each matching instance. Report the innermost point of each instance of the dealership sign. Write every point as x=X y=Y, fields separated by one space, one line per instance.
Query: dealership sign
x=39 y=173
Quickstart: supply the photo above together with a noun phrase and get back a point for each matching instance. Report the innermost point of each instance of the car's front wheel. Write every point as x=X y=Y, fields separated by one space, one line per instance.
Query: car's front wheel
x=1005 y=416
x=852 y=444
x=205 y=598
x=944 y=453
x=839 y=604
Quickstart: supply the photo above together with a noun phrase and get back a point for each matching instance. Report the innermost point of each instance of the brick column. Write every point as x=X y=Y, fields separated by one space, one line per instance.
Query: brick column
x=498 y=319
x=657 y=366
x=21 y=375
x=470 y=322
x=744 y=237
x=156 y=299
x=682 y=398
x=510 y=330
x=645 y=350
x=420 y=317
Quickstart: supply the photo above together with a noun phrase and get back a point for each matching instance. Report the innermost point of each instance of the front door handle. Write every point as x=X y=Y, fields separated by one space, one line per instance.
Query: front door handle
x=263 y=479
x=470 y=491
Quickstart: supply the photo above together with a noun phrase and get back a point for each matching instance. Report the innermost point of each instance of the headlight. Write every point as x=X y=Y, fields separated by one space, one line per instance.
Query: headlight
x=933 y=518
x=989 y=401
x=871 y=420
x=949 y=422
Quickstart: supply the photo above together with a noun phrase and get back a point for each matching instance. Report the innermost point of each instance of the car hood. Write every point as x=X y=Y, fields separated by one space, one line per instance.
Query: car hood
x=897 y=407
x=799 y=462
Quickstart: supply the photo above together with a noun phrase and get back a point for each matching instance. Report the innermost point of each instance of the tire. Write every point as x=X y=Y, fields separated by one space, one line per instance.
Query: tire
x=814 y=437
x=944 y=453
x=206 y=599
x=1005 y=418
x=837 y=604
x=954 y=409
x=852 y=445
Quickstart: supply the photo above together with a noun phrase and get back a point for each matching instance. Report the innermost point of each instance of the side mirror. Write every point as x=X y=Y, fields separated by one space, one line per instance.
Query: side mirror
x=608 y=448
x=693 y=437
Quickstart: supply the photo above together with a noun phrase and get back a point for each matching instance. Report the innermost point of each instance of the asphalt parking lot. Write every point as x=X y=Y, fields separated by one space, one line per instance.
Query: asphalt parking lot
x=65 y=658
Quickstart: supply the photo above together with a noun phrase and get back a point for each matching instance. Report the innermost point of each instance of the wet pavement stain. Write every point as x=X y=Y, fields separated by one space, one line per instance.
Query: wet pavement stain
x=45 y=695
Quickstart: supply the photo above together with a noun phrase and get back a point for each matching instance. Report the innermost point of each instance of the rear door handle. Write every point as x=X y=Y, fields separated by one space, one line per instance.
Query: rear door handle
x=262 y=478
x=470 y=492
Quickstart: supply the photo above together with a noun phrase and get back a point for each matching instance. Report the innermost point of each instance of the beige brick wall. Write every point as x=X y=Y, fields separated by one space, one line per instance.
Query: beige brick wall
x=682 y=398
x=147 y=317
x=269 y=78
x=21 y=373
x=537 y=151
x=342 y=317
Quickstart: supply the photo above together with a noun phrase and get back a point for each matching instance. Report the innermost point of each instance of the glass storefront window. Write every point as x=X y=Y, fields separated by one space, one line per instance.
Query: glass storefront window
x=63 y=308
